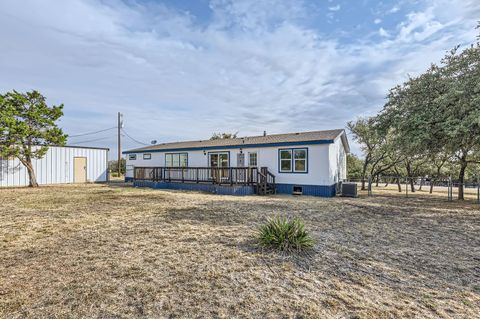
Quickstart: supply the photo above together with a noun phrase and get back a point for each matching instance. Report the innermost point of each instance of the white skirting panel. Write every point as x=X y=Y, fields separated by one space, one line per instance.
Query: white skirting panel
x=56 y=167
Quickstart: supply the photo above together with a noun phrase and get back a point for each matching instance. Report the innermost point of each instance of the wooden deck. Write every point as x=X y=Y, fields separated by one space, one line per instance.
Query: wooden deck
x=261 y=178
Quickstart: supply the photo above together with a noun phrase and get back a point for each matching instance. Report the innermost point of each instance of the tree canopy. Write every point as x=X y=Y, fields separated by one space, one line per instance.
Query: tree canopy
x=27 y=128
x=433 y=117
x=220 y=136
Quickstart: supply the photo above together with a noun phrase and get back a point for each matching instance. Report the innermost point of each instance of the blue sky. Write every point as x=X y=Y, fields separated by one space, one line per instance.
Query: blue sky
x=182 y=70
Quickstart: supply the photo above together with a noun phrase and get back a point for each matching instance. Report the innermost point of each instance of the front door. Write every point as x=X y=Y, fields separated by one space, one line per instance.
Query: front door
x=220 y=161
x=79 y=169
x=240 y=163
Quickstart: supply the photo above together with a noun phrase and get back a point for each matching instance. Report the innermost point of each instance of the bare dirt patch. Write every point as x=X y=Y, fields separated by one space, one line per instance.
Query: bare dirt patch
x=110 y=252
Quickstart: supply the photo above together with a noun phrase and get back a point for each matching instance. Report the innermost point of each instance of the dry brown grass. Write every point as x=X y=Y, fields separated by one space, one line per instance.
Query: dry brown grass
x=109 y=252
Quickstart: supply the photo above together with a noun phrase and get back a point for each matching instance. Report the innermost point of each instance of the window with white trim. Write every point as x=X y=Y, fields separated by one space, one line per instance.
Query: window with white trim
x=147 y=156
x=132 y=157
x=293 y=160
x=285 y=160
x=300 y=160
x=252 y=159
x=176 y=159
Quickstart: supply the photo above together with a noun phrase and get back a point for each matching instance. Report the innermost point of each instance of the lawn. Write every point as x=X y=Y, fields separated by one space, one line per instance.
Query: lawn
x=111 y=252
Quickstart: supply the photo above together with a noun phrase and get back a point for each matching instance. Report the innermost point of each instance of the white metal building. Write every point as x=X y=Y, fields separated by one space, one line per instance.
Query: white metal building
x=311 y=161
x=61 y=165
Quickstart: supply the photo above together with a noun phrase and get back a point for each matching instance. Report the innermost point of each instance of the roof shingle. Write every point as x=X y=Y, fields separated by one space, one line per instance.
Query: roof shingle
x=327 y=135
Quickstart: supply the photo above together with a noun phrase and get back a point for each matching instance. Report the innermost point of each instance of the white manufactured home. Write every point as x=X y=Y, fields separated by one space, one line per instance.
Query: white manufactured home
x=309 y=163
x=60 y=165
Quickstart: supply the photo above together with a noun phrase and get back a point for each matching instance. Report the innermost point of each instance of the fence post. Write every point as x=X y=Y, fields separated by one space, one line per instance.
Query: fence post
x=369 y=186
x=450 y=190
x=478 y=190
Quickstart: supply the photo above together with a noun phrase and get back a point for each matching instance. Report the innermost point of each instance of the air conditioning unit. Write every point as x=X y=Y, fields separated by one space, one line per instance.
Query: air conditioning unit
x=349 y=189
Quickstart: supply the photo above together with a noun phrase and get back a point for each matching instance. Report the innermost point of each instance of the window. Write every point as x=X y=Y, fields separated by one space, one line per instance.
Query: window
x=147 y=156
x=132 y=157
x=294 y=160
x=252 y=159
x=219 y=159
x=176 y=159
x=285 y=160
x=300 y=160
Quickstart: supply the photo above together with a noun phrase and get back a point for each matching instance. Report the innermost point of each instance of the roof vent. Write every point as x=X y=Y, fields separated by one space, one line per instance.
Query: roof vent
x=264 y=133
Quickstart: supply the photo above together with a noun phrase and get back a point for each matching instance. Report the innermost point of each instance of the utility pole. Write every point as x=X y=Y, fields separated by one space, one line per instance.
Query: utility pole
x=119 y=126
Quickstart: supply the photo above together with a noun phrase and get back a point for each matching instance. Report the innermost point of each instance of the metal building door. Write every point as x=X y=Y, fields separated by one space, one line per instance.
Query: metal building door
x=79 y=169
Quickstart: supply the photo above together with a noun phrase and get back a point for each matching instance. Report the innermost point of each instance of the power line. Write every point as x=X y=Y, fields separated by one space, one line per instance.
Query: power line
x=91 y=133
x=88 y=141
x=136 y=141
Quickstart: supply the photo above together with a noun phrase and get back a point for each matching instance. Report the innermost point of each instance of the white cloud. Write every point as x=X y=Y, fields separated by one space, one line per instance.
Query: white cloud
x=377 y=21
x=253 y=67
x=394 y=9
x=335 y=8
x=383 y=33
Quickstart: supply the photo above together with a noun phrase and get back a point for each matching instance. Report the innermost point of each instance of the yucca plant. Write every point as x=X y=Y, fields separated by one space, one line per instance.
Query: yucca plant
x=284 y=234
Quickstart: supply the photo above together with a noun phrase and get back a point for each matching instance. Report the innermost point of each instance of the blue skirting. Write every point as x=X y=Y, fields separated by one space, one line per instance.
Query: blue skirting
x=238 y=190
x=128 y=179
x=309 y=190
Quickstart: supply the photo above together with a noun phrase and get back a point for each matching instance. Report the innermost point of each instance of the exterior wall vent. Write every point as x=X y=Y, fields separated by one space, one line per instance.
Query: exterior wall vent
x=297 y=190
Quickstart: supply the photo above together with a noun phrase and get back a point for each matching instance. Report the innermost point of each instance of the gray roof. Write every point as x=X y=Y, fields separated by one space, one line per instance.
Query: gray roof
x=315 y=136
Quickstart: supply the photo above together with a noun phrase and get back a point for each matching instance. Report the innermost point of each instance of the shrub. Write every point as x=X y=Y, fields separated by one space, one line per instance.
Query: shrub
x=285 y=234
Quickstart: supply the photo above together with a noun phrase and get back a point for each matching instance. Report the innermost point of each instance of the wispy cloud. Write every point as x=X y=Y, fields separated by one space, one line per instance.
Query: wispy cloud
x=253 y=66
x=335 y=8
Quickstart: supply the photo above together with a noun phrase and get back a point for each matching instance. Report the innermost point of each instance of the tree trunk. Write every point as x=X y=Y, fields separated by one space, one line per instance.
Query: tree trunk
x=378 y=178
x=421 y=184
x=364 y=172
x=31 y=173
x=399 y=185
x=412 y=185
x=409 y=175
x=461 y=178
x=433 y=180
